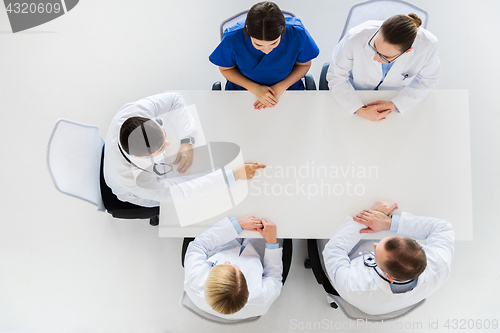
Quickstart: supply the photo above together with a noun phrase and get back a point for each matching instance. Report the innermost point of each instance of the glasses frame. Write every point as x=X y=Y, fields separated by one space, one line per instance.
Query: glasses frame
x=380 y=55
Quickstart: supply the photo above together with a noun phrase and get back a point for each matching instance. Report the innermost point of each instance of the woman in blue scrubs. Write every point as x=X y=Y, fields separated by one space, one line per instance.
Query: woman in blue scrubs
x=266 y=54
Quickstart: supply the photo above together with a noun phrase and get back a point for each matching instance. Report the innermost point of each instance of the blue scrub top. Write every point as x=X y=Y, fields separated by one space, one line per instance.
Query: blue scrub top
x=266 y=69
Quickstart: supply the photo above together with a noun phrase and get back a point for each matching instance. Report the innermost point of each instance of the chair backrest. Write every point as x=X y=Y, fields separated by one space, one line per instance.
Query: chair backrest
x=73 y=158
x=240 y=17
x=381 y=10
x=188 y=304
x=314 y=248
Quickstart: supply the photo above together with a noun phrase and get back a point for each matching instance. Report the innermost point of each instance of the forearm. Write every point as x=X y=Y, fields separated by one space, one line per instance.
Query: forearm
x=298 y=71
x=234 y=75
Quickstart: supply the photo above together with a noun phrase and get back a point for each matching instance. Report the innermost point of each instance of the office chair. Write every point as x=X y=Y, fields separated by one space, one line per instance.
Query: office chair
x=379 y=10
x=309 y=82
x=314 y=262
x=75 y=158
x=189 y=305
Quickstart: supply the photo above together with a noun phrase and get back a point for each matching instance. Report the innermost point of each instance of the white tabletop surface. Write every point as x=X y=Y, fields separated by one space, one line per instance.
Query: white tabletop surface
x=419 y=159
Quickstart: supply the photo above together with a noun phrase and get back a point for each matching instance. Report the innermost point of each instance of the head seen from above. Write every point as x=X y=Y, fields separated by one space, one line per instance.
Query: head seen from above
x=226 y=289
x=400 y=258
x=395 y=37
x=265 y=25
x=142 y=137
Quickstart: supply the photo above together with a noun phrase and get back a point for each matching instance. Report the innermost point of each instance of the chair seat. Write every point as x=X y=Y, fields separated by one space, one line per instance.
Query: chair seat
x=121 y=209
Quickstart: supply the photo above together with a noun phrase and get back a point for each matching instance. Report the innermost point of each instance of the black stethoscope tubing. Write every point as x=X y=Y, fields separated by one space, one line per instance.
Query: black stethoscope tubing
x=374 y=266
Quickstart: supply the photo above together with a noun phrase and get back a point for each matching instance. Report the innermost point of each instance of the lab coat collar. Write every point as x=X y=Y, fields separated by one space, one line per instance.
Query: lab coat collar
x=381 y=283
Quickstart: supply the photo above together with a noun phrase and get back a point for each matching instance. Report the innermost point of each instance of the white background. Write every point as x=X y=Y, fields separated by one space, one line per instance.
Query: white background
x=67 y=268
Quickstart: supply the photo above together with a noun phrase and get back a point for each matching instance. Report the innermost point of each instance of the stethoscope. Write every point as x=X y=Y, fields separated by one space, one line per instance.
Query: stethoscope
x=167 y=167
x=369 y=261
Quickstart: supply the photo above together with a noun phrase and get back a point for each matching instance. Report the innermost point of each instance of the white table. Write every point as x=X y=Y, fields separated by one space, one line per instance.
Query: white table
x=420 y=159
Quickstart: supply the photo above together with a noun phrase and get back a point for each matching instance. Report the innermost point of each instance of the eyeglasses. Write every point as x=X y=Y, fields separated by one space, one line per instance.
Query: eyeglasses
x=380 y=55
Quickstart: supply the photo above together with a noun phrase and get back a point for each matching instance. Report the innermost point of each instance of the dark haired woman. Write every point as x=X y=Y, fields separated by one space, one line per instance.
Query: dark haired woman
x=375 y=55
x=266 y=54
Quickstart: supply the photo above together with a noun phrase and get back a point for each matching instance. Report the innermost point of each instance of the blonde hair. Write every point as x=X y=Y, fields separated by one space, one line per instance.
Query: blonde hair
x=226 y=289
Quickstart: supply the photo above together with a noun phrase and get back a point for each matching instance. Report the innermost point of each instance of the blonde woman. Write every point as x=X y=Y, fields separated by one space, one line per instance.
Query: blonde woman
x=224 y=275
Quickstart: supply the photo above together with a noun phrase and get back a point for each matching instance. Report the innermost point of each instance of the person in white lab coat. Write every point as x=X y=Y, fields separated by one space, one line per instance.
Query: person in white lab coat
x=376 y=55
x=226 y=276
x=135 y=166
x=400 y=272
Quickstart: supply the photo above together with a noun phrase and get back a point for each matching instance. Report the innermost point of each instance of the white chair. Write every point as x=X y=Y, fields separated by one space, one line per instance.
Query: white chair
x=309 y=82
x=75 y=157
x=188 y=304
x=315 y=261
x=379 y=10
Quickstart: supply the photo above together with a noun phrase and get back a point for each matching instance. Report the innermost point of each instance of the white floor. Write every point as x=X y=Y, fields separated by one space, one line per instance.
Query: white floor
x=67 y=268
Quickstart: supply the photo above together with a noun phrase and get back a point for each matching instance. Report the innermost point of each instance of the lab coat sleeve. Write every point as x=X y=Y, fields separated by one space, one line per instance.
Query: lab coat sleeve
x=178 y=189
x=426 y=79
x=336 y=253
x=217 y=235
x=438 y=234
x=339 y=74
x=174 y=108
x=272 y=276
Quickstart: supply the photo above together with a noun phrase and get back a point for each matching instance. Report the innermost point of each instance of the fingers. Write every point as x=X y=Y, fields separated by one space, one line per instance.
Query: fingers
x=359 y=220
x=259 y=105
x=384 y=112
x=186 y=166
x=256 y=166
x=376 y=107
x=272 y=95
x=178 y=158
x=393 y=207
x=182 y=165
x=375 y=103
x=366 y=231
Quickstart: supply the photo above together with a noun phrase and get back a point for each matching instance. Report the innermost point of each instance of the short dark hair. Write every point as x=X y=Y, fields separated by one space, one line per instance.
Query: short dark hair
x=265 y=21
x=406 y=258
x=141 y=136
x=401 y=30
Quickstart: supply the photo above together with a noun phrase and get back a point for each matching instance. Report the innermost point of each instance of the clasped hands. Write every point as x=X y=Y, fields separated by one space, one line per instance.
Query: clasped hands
x=265 y=227
x=376 y=111
x=267 y=97
x=377 y=217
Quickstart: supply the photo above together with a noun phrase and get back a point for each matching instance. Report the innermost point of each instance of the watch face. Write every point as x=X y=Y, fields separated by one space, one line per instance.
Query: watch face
x=188 y=140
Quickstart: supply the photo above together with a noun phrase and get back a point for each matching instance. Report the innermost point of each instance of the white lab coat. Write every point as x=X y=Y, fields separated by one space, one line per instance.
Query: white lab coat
x=362 y=287
x=264 y=283
x=120 y=175
x=353 y=68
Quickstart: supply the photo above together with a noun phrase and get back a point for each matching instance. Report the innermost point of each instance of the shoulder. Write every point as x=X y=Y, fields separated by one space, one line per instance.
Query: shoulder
x=295 y=27
x=425 y=37
x=234 y=32
x=365 y=29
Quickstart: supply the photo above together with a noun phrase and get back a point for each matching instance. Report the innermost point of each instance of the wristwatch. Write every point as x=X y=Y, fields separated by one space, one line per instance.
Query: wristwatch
x=188 y=140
